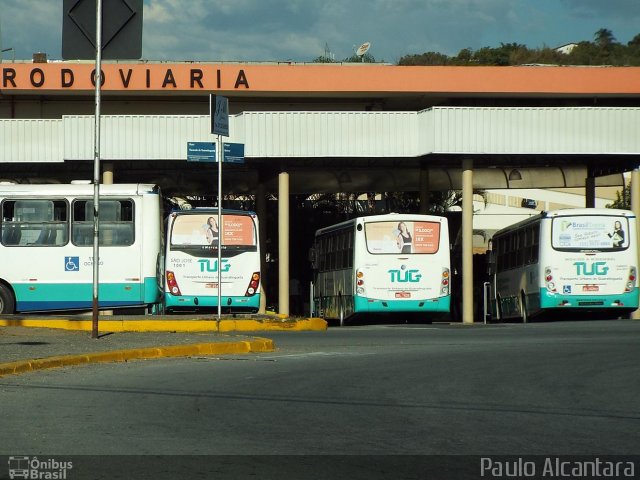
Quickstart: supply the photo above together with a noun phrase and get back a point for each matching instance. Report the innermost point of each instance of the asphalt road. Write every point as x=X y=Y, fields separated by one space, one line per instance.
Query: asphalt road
x=371 y=391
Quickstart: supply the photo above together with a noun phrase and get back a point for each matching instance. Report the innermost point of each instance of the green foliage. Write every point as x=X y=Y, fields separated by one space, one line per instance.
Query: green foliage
x=323 y=59
x=366 y=58
x=623 y=199
x=603 y=50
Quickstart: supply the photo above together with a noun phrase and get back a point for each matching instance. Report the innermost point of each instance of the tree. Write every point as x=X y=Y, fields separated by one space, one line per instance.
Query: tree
x=623 y=199
x=427 y=58
x=366 y=58
x=604 y=50
x=604 y=38
x=323 y=59
x=326 y=57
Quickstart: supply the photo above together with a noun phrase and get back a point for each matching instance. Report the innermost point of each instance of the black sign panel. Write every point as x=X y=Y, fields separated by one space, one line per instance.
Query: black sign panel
x=121 y=29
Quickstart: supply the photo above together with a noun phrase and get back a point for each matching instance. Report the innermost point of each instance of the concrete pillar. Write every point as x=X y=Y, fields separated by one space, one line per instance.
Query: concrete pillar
x=635 y=206
x=261 y=211
x=107 y=173
x=424 y=189
x=283 y=243
x=467 y=240
x=590 y=192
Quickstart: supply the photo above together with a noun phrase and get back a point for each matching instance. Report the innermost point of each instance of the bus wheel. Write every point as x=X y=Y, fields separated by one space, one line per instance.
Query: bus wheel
x=523 y=308
x=7 y=304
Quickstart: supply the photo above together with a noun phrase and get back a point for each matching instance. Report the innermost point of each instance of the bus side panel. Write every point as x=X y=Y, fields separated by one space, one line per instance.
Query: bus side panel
x=335 y=290
x=512 y=284
x=149 y=244
x=59 y=277
x=43 y=296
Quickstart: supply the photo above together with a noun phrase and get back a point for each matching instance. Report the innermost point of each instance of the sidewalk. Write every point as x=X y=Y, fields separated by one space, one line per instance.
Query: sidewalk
x=29 y=343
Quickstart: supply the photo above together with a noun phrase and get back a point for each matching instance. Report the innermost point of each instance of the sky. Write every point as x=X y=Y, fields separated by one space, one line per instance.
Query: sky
x=302 y=30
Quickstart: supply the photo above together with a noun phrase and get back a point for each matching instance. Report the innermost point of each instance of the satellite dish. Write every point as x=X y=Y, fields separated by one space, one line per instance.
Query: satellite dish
x=364 y=48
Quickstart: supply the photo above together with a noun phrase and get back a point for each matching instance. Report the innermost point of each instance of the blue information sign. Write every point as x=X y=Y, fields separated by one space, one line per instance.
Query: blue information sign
x=206 y=152
x=201 y=152
x=233 y=153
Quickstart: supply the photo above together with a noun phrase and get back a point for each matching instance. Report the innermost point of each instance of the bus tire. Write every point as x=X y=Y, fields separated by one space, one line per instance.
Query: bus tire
x=523 y=309
x=7 y=303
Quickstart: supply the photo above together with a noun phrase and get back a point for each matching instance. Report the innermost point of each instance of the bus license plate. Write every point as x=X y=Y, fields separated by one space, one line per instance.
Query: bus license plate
x=403 y=294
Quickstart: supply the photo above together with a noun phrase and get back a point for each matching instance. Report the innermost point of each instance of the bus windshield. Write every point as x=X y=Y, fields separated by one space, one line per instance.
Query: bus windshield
x=590 y=232
x=201 y=230
x=393 y=237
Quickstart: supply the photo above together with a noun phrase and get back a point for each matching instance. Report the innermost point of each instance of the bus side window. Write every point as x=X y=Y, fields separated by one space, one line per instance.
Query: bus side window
x=82 y=234
x=35 y=222
x=46 y=236
x=125 y=235
x=10 y=234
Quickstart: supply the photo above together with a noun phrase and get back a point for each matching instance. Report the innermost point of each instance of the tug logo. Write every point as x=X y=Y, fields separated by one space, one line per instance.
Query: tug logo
x=206 y=265
x=403 y=275
x=595 y=268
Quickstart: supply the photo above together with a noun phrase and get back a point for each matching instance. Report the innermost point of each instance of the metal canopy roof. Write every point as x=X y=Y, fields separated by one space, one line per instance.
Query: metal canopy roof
x=352 y=151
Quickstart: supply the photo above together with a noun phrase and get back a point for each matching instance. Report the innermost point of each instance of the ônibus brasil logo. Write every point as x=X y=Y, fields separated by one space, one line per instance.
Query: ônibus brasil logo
x=34 y=468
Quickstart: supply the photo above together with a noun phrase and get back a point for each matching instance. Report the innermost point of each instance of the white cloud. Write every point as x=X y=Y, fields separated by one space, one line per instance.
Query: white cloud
x=30 y=26
x=273 y=30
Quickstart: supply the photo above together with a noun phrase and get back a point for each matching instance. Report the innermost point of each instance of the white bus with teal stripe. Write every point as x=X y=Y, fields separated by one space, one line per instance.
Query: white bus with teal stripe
x=191 y=261
x=46 y=247
x=570 y=261
x=388 y=263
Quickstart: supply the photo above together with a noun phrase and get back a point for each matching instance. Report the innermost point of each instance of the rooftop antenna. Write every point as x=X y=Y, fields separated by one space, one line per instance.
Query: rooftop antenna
x=327 y=52
x=362 y=49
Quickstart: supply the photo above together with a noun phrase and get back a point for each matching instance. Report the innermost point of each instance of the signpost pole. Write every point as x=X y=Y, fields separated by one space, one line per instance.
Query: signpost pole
x=219 y=156
x=219 y=111
x=96 y=172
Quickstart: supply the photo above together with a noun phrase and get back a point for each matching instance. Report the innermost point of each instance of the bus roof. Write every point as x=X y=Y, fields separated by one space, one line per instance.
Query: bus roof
x=213 y=210
x=76 y=189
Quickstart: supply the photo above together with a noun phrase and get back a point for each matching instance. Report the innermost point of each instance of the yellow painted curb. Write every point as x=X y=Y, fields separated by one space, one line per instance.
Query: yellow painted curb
x=170 y=325
x=297 y=325
x=219 y=348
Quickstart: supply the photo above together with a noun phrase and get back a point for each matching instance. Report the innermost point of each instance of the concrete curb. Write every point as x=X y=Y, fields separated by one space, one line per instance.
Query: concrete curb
x=170 y=325
x=218 y=348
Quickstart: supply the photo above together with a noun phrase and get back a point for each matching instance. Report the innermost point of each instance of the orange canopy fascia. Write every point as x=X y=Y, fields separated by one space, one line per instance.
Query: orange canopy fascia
x=319 y=79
